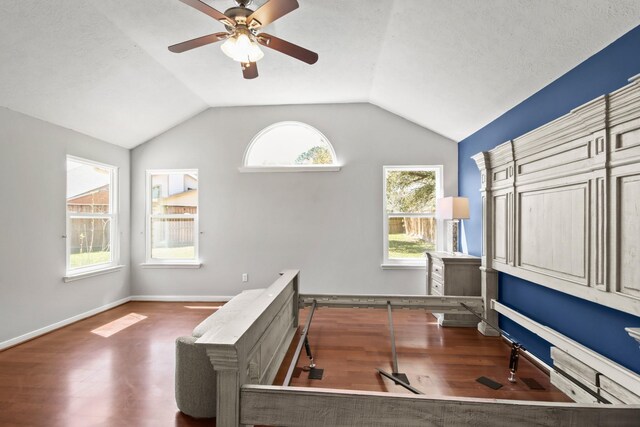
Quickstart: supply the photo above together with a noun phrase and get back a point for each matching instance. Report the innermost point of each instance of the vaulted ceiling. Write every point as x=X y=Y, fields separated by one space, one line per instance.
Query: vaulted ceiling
x=101 y=67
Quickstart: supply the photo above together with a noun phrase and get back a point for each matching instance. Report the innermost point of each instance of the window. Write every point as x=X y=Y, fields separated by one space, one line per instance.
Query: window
x=92 y=220
x=410 y=226
x=289 y=146
x=172 y=217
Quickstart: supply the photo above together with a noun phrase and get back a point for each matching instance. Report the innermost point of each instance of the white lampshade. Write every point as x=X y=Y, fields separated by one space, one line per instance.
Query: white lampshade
x=453 y=208
x=242 y=49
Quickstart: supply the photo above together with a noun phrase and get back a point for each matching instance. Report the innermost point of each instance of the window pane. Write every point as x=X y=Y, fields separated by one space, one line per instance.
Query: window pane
x=175 y=193
x=411 y=237
x=88 y=188
x=290 y=144
x=172 y=238
x=90 y=242
x=412 y=191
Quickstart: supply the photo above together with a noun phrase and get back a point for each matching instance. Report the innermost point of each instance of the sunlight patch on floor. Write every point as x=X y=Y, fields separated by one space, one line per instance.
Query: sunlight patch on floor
x=118 y=325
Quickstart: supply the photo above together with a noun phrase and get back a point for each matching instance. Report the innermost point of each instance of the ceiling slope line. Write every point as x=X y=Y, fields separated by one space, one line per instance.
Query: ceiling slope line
x=172 y=126
x=413 y=122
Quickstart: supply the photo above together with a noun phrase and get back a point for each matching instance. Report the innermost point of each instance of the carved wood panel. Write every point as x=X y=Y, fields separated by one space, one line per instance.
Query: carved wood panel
x=553 y=236
x=629 y=235
x=500 y=228
x=598 y=233
x=555 y=161
x=628 y=139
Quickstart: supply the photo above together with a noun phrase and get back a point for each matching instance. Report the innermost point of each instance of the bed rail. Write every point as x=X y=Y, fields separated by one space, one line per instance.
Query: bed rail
x=434 y=303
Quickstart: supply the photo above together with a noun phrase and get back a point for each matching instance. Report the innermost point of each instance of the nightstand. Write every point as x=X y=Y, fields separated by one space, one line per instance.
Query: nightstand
x=459 y=275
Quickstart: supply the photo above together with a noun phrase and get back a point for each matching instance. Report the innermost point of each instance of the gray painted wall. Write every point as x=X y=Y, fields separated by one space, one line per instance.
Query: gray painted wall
x=328 y=225
x=32 y=213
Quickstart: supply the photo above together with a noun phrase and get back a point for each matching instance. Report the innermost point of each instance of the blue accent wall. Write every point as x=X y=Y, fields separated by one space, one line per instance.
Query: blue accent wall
x=595 y=326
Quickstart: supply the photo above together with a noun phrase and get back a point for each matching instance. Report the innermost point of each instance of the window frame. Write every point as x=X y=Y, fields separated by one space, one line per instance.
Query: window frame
x=408 y=263
x=112 y=215
x=333 y=167
x=149 y=216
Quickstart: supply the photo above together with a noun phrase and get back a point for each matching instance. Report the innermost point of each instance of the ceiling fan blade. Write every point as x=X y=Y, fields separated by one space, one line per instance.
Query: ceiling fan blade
x=270 y=11
x=249 y=70
x=215 y=14
x=197 y=42
x=287 y=48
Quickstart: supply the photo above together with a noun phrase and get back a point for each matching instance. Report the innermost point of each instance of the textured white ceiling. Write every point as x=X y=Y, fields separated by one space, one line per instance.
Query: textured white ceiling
x=102 y=67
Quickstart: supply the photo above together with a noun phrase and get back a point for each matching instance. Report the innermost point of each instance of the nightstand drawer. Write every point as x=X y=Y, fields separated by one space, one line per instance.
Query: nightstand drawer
x=437 y=288
x=437 y=271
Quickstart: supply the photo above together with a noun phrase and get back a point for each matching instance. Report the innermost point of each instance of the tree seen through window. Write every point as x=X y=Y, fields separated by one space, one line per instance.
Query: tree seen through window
x=410 y=208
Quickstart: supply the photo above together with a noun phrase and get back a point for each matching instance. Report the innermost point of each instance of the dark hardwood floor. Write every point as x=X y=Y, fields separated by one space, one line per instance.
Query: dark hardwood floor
x=73 y=377
x=349 y=344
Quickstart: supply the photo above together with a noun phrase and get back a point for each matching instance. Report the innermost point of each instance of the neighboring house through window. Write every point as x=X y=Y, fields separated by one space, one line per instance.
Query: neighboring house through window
x=289 y=146
x=92 y=216
x=172 y=216
x=410 y=226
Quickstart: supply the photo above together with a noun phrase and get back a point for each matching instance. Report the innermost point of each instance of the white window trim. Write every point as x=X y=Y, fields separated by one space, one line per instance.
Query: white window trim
x=306 y=168
x=114 y=229
x=409 y=264
x=246 y=168
x=170 y=263
x=92 y=273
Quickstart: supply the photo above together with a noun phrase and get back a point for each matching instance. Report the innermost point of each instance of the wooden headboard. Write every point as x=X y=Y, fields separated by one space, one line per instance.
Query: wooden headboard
x=561 y=204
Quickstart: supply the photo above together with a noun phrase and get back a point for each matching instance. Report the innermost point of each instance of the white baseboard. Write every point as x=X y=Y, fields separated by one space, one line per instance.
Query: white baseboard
x=181 y=298
x=33 y=334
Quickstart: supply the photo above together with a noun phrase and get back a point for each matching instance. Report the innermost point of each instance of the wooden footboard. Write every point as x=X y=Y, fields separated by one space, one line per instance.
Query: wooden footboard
x=296 y=406
x=248 y=347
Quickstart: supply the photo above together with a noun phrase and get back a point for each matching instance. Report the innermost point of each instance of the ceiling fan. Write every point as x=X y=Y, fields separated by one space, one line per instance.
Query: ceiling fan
x=244 y=33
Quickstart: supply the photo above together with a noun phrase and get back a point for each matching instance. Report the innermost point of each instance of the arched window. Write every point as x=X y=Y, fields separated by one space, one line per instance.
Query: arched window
x=289 y=146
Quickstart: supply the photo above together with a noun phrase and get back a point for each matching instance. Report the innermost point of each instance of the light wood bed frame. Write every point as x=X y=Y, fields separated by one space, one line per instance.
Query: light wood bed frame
x=580 y=173
x=246 y=351
x=561 y=209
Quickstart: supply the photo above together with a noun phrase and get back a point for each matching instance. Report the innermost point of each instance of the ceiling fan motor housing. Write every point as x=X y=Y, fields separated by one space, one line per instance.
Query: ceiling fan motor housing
x=243 y=3
x=239 y=14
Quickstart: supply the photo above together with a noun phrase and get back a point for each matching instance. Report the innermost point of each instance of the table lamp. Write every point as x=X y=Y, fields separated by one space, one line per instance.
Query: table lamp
x=452 y=210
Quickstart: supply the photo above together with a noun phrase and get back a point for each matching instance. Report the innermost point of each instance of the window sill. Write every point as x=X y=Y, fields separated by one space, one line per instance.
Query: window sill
x=171 y=265
x=91 y=273
x=259 y=169
x=403 y=266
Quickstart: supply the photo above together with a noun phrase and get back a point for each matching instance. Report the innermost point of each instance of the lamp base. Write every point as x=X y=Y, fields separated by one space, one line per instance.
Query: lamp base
x=452 y=237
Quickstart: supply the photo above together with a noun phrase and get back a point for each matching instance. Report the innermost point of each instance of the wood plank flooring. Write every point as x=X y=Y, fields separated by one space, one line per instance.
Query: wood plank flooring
x=351 y=343
x=73 y=377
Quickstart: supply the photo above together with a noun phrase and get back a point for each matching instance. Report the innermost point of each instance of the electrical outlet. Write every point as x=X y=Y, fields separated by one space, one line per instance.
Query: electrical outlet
x=245 y=277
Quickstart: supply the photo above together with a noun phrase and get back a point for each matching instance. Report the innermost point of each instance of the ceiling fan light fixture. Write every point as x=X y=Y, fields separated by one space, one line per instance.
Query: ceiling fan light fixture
x=243 y=35
x=242 y=48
